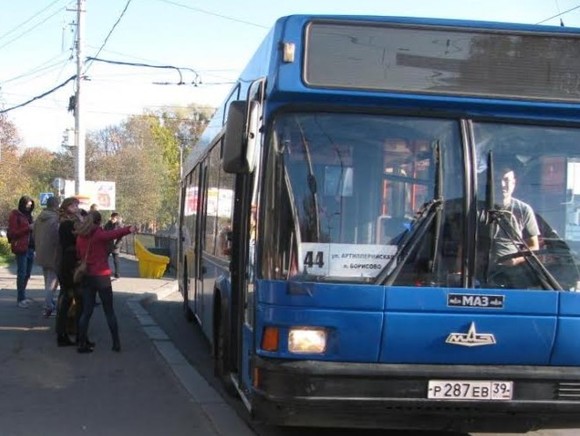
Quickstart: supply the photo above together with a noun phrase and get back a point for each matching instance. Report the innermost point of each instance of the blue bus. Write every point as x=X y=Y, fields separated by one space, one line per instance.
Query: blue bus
x=380 y=226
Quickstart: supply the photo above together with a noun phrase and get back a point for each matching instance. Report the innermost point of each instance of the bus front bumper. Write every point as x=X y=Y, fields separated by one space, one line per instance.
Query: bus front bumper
x=331 y=394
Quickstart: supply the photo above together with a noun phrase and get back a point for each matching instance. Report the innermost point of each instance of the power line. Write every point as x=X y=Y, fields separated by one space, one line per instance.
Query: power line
x=559 y=14
x=128 y=112
x=40 y=68
x=19 y=26
x=28 y=30
x=218 y=83
x=203 y=11
x=110 y=32
x=126 y=55
x=152 y=62
x=196 y=81
x=38 y=97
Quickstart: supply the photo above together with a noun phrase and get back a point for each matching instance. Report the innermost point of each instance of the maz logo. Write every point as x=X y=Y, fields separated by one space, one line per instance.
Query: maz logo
x=469 y=300
x=471 y=338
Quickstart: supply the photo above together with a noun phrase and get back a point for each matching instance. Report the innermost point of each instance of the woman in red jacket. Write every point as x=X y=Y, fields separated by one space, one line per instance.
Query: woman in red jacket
x=22 y=245
x=92 y=244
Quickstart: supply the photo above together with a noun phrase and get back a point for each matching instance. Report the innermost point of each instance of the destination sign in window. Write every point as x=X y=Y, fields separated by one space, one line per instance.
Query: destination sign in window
x=443 y=60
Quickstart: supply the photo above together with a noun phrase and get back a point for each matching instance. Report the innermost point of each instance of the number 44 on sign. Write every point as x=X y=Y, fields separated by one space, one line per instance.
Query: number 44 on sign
x=344 y=260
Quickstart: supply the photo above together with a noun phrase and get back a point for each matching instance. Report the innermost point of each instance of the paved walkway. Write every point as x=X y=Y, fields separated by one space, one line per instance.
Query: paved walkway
x=147 y=389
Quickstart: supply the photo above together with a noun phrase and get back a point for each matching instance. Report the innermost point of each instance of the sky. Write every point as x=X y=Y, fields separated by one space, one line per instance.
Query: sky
x=210 y=41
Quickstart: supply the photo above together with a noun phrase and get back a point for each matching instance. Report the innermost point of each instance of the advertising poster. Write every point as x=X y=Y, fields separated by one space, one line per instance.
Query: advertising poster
x=101 y=193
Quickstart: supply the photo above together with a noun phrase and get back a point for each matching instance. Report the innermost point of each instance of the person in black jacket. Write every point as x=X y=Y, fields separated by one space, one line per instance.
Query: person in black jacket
x=114 y=246
x=69 y=218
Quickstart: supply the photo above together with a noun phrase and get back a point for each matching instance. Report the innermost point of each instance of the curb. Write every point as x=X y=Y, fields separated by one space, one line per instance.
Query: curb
x=222 y=417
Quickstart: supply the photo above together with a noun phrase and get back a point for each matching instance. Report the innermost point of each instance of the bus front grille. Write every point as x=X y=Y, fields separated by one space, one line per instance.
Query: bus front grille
x=568 y=391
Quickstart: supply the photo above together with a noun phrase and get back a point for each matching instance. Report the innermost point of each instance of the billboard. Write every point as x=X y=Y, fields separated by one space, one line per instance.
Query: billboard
x=100 y=193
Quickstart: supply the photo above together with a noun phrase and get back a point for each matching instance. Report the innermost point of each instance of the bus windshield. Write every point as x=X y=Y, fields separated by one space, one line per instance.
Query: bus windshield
x=530 y=202
x=347 y=193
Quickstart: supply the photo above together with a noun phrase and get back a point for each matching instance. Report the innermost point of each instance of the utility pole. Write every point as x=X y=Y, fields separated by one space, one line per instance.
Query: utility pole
x=79 y=121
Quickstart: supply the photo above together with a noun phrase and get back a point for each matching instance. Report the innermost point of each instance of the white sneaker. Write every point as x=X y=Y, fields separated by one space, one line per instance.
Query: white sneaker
x=29 y=300
x=23 y=304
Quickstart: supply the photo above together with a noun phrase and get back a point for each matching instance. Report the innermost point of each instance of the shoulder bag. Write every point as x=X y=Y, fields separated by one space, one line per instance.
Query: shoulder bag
x=81 y=268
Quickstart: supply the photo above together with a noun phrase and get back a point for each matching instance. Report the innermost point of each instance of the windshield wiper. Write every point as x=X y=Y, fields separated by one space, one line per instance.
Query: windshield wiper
x=311 y=181
x=428 y=212
x=438 y=214
x=421 y=224
x=500 y=218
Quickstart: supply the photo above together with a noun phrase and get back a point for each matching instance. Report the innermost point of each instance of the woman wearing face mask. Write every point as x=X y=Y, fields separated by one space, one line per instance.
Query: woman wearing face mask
x=22 y=245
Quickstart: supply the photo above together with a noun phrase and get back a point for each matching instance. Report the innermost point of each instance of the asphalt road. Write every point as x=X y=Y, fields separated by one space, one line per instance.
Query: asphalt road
x=188 y=339
x=144 y=390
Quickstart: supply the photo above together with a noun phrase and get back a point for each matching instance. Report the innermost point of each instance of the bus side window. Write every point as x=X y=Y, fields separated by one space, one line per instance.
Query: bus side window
x=225 y=240
x=225 y=214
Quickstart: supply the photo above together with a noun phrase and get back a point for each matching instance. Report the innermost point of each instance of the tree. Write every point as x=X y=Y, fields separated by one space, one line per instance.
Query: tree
x=143 y=156
x=9 y=137
x=36 y=163
x=13 y=183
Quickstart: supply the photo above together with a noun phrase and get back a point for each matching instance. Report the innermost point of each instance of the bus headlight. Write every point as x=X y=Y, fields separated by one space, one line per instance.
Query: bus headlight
x=307 y=340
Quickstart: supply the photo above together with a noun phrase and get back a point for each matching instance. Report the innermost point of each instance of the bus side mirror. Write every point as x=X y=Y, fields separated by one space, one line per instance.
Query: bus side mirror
x=240 y=137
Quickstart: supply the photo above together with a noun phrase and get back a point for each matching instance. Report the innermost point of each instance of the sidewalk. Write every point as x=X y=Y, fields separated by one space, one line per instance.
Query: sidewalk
x=147 y=389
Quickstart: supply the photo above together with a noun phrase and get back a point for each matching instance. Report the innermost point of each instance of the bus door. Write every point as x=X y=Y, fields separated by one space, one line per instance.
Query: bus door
x=189 y=224
x=199 y=248
x=217 y=233
x=250 y=193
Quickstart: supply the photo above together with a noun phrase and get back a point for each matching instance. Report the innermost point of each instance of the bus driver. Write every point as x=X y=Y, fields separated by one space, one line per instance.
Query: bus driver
x=521 y=219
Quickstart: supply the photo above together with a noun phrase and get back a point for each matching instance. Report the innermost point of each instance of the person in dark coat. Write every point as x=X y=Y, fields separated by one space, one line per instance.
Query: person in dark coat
x=69 y=217
x=20 y=225
x=114 y=246
x=48 y=251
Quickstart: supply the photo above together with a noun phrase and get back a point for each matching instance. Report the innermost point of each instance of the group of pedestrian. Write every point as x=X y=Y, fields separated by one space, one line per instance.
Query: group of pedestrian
x=61 y=238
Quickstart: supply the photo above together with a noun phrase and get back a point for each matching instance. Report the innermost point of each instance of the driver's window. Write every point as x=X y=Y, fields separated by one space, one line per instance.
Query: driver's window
x=523 y=215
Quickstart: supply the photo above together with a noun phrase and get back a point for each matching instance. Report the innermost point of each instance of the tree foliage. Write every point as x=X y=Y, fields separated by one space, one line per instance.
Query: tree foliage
x=9 y=138
x=37 y=163
x=14 y=181
x=142 y=155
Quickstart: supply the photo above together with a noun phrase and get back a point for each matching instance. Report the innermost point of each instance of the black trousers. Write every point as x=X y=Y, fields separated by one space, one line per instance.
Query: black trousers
x=91 y=286
x=65 y=299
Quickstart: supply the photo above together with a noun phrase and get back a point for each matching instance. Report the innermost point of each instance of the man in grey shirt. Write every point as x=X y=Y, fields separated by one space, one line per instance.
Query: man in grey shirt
x=521 y=218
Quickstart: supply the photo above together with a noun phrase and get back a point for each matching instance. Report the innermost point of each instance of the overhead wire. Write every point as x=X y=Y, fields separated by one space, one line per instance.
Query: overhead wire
x=28 y=30
x=195 y=82
x=110 y=33
x=203 y=11
x=38 y=97
x=559 y=14
x=39 y=68
x=19 y=26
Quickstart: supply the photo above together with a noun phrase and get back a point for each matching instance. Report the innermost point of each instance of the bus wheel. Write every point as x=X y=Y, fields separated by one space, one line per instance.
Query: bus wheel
x=187 y=312
x=221 y=354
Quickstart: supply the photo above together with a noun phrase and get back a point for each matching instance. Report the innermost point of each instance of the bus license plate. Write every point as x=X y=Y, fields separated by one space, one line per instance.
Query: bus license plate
x=492 y=390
